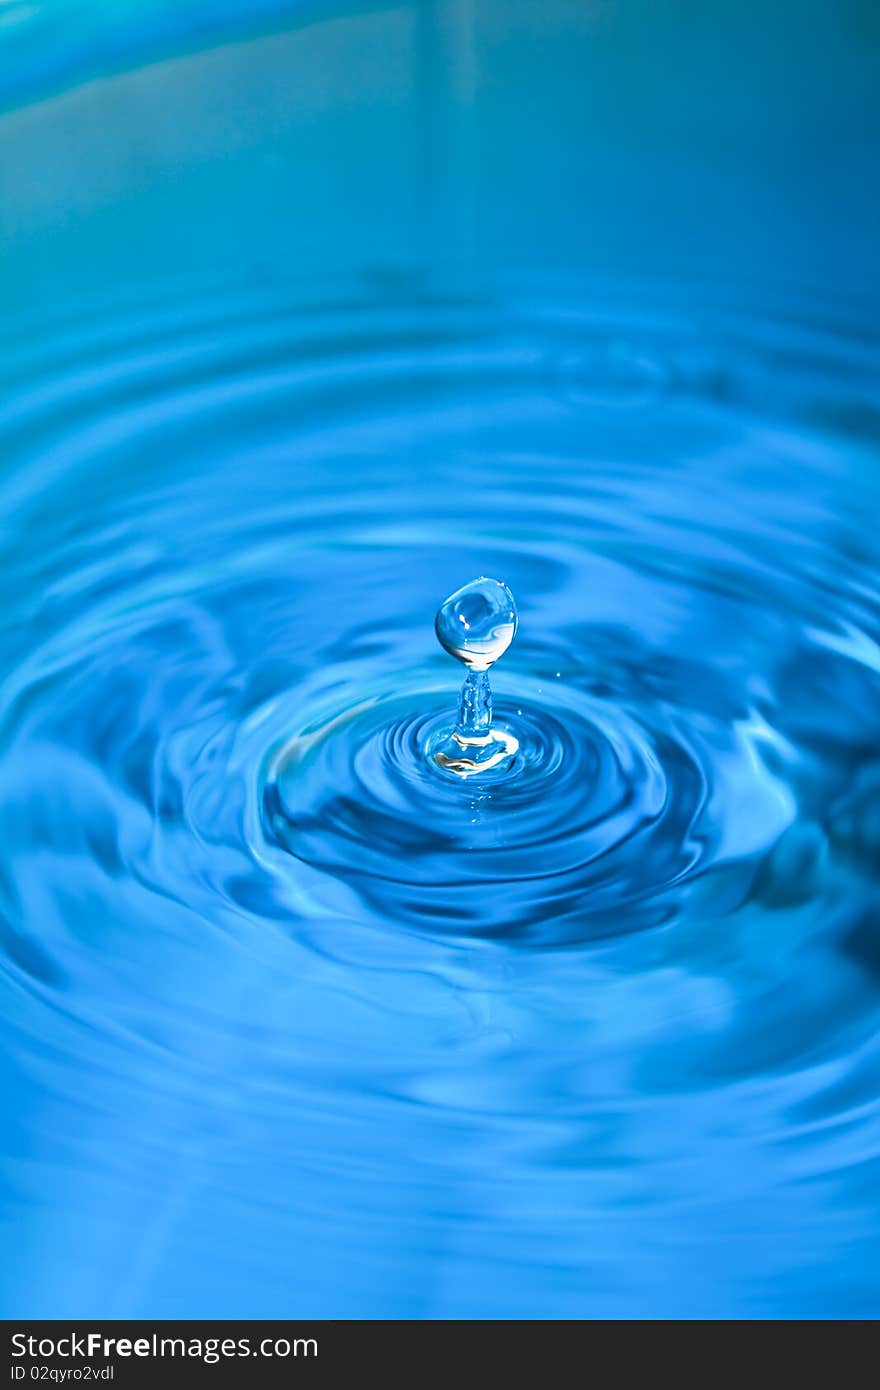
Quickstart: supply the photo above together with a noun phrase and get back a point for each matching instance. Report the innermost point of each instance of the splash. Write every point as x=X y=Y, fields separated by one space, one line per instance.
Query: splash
x=476 y=625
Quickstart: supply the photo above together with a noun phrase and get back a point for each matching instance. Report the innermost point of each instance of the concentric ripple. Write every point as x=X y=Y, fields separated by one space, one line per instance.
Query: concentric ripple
x=225 y=851
x=239 y=644
x=594 y=816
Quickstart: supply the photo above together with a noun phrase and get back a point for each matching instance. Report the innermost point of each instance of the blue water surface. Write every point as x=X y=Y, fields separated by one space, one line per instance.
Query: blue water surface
x=301 y=334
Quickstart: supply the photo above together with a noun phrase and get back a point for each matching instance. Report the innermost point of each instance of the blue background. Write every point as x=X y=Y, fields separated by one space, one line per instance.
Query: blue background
x=217 y=1102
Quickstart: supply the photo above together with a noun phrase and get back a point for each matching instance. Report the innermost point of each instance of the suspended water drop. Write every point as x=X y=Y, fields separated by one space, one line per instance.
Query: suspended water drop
x=476 y=625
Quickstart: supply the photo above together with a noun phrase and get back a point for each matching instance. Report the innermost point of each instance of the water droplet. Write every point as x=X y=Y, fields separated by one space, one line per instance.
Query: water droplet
x=476 y=625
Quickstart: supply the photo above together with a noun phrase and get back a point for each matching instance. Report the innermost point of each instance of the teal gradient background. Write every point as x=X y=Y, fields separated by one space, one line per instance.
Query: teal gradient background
x=734 y=141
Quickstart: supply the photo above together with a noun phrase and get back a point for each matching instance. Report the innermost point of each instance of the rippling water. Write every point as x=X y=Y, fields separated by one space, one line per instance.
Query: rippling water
x=301 y=1024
